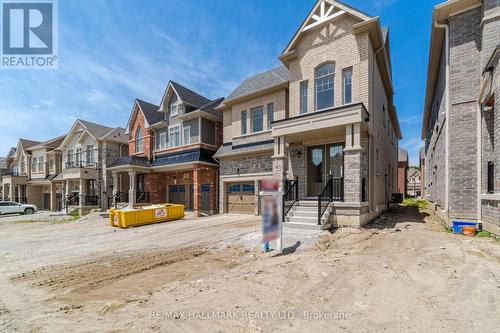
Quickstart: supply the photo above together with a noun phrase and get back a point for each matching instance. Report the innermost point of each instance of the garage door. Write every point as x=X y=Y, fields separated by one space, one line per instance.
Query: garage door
x=177 y=194
x=241 y=198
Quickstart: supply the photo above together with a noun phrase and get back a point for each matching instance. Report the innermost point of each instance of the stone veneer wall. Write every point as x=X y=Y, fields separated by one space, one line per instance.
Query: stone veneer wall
x=246 y=165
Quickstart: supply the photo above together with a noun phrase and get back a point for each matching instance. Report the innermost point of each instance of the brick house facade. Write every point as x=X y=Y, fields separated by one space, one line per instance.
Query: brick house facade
x=277 y=125
x=459 y=112
x=171 y=149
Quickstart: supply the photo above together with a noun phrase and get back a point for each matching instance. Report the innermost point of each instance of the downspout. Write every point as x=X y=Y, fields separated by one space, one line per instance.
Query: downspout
x=372 y=145
x=447 y=116
x=480 y=148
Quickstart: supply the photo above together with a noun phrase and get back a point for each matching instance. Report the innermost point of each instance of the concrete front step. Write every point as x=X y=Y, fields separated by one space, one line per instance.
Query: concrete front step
x=299 y=225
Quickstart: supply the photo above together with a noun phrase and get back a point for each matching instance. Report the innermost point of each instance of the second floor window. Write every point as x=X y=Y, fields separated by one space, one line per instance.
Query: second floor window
x=138 y=140
x=243 y=122
x=78 y=156
x=90 y=154
x=304 y=86
x=347 y=80
x=174 y=136
x=162 y=139
x=40 y=164
x=325 y=77
x=257 y=115
x=186 y=135
x=69 y=158
x=35 y=164
x=270 y=115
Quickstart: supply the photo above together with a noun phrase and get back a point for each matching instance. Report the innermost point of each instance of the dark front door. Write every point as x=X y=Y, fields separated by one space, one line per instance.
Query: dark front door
x=46 y=201
x=205 y=198
x=322 y=162
x=177 y=194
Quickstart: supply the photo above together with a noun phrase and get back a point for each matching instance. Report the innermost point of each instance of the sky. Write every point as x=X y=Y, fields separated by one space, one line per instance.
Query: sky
x=112 y=52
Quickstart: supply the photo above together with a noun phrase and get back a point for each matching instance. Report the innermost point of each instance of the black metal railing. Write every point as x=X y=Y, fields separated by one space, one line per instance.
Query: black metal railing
x=115 y=199
x=290 y=196
x=67 y=201
x=90 y=200
x=80 y=164
x=21 y=200
x=333 y=191
x=142 y=197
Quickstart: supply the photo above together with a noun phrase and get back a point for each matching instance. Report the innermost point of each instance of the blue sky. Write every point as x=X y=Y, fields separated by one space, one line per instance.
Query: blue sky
x=111 y=52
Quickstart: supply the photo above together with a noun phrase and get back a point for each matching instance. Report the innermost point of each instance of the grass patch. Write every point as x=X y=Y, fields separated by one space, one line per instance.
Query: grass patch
x=415 y=203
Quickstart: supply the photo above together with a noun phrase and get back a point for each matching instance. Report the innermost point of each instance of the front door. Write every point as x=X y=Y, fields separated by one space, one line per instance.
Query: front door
x=177 y=194
x=323 y=161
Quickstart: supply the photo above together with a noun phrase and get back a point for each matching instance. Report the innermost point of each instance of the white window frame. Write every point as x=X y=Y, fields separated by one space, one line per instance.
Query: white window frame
x=174 y=106
x=304 y=99
x=318 y=77
x=139 y=144
x=170 y=131
x=186 y=129
x=345 y=84
x=89 y=156
x=252 y=111
x=270 y=115
x=244 y=122
x=162 y=145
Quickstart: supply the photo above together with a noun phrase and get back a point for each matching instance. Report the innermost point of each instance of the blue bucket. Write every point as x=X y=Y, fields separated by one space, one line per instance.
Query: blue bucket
x=458 y=225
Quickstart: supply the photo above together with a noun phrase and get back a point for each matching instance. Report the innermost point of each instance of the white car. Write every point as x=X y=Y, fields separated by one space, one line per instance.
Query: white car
x=10 y=207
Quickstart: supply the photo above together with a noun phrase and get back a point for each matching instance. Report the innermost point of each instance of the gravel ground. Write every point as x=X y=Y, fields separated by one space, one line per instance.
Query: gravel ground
x=402 y=273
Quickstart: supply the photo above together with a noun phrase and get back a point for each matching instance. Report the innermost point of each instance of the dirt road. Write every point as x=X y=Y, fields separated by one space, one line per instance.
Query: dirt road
x=404 y=273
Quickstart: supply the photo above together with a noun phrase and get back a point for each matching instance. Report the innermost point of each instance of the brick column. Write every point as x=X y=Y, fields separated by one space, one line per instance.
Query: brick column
x=196 y=191
x=280 y=160
x=352 y=164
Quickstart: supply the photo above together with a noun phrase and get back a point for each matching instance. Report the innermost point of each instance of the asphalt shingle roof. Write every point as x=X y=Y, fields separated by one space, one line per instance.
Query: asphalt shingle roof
x=190 y=97
x=95 y=129
x=261 y=81
x=151 y=112
x=28 y=143
x=52 y=143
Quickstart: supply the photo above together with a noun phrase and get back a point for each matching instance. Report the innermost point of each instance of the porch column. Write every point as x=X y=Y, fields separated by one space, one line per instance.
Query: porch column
x=19 y=189
x=115 y=183
x=12 y=190
x=82 y=192
x=352 y=164
x=279 y=159
x=53 y=203
x=131 y=190
x=66 y=186
x=196 y=191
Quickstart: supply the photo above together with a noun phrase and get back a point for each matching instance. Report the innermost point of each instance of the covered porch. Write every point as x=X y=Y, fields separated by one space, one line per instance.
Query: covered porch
x=14 y=188
x=81 y=189
x=322 y=160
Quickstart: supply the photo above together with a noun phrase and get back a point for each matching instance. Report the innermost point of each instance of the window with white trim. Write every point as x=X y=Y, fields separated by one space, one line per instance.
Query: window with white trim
x=138 y=140
x=186 y=135
x=174 y=136
x=270 y=115
x=161 y=141
x=304 y=86
x=257 y=115
x=173 y=105
x=243 y=122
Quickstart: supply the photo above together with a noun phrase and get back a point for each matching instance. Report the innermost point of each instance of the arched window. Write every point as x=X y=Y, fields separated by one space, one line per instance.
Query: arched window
x=138 y=140
x=325 y=77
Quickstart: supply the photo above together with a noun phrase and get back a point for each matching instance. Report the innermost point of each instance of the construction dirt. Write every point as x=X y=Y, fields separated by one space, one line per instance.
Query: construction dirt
x=403 y=273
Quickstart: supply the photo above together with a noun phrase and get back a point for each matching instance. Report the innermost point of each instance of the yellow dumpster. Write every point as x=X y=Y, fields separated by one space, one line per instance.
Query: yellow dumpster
x=133 y=217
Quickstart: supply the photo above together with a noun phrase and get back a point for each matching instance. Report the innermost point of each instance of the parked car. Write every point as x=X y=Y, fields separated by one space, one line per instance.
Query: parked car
x=10 y=207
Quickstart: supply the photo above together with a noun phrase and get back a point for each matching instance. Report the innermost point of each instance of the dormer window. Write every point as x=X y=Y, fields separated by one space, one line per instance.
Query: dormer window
x=174 y=106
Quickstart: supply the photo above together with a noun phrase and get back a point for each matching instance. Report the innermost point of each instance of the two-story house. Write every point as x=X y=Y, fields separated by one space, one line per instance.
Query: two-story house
x=86 y=152
x=45 y=166
x=15 y=183
x=324 y=124
x=461 y=120
x=171 y=148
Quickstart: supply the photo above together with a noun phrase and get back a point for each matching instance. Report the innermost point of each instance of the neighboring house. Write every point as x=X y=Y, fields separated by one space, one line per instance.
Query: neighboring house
x=6 y=170
x=87 y=151
x=324 y=123
x=461 y=121
x=422 y=171
x=403 y=171
x=171 y=148
x=45 y=166
x=15 y=183
x=414 y=183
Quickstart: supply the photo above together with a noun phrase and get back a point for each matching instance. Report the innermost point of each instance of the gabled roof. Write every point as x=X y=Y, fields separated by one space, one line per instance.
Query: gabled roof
x=52 y=143
x=324 y=11
x=3 y=163
x=11 y=153
x=150 y=111
x=97 y=131
x=25 y=144
x=188 y=96
x=260 y=82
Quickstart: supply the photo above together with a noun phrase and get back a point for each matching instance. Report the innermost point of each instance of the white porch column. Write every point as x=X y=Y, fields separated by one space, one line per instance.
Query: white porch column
x=53 y=203
x=66 y=187
x=131 y=191
x=82 y=192
x=19 y=188
x=115 y=183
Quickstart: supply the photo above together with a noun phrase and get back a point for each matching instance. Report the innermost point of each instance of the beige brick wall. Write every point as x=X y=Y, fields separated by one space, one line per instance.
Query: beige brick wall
x=334 y=42
x=232 y=117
